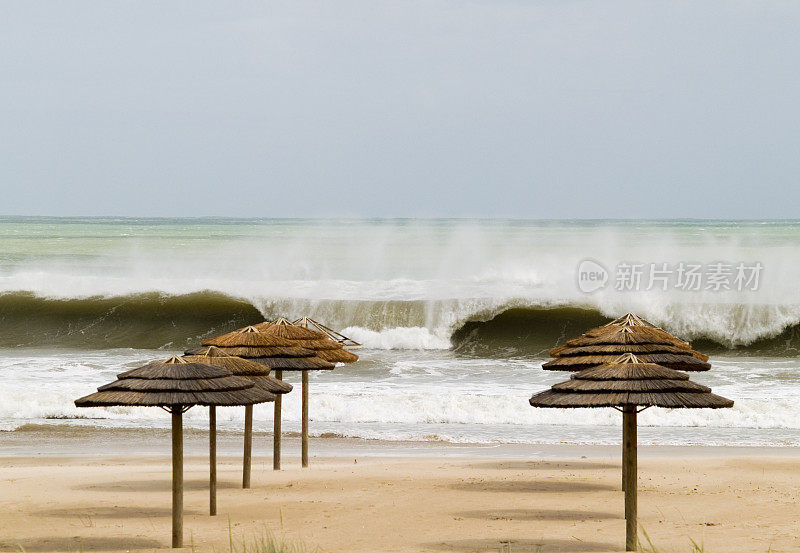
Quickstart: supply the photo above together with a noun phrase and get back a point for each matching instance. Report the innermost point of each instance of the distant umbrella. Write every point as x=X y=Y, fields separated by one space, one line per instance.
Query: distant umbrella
x=176 y=385
x=320 y=342
x=630 y=385
x=308 y=322
x=259 y=374
x=627 y=334
x=277 y=352
x=324 y=347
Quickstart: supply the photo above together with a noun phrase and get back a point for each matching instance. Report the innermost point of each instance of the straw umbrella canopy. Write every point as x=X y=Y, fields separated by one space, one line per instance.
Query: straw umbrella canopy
x=630 y=385
x=259 y=375
x=323 y=346
x=275 y=351
x=308 y=322
x=320 y=342
x=176 y=385
x=627 y=334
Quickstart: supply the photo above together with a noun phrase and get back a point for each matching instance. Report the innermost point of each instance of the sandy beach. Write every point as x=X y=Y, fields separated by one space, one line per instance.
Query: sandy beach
x=446 y=498
x=399 y=277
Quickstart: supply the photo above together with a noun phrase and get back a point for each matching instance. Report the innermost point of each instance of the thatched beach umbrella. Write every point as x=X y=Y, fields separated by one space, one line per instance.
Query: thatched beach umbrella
x=308 y=322
x=176 y=385
x=259 y=374
x=630 y=385
x=276 y=352
x=324 y=347
x=627 y=334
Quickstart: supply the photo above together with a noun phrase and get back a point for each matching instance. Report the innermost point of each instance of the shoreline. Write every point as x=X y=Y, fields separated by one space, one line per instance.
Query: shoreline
x=62 y=441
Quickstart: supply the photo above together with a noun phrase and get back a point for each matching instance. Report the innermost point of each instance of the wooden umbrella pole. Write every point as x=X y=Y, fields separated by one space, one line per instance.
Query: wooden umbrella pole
x=276 y=429
x=248 y=445
x=212 y=460
x=177 y=476
x=629 y=421
x=304 y=432
x=624 y=461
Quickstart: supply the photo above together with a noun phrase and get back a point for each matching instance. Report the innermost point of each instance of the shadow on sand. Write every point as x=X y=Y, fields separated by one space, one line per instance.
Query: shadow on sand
x=80 y=544
x=522 y=546
x=545 y=465
x=530 y=486
x=88 y=513
x=152 y=486
x=538 y=514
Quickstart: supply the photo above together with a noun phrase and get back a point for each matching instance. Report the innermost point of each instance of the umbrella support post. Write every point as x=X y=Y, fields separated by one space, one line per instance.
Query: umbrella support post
x=212 y=460
x=630 y=461
x=248 y=445
x=177 y=476
x=624 y=460
x=304 y=432
x=276 y=430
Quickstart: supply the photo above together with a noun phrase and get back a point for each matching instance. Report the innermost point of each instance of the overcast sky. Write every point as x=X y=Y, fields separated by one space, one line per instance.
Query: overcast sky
x=562 y=109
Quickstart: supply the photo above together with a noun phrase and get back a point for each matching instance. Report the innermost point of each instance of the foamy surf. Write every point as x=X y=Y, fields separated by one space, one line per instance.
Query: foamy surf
x=455 y=318
x=430 y=396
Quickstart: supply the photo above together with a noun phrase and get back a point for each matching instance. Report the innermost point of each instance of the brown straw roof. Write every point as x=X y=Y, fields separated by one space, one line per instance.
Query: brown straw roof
x=249 y=336
x=627 y=334
x=280 y=346
x=251 y=370
x=324 y=346
x=337 y=355
x=176 y=382
x=285 y=329
x=308 y=322
x=618 y=349
x=254 y=351
x=629 y=381
x=306 y=361
x=296 y=363
x=577 y=363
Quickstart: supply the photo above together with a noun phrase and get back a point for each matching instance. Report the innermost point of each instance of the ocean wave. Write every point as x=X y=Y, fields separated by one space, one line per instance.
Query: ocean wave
x=414 y=337
x=486 y=287
x=478 y=327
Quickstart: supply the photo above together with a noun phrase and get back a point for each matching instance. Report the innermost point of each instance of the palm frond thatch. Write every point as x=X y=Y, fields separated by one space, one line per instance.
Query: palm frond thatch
x=248 y=352
x=672 y=400
x=296 y=363
x=249 y=336
x=255 y=372
x=285 y=329
x=176 y=382
x=308 y=338
x=308 y=361
x=308 y=322
x=337 y=355
x=619 y=349
x=629 y=381
x=577 y=363
x=627 y=334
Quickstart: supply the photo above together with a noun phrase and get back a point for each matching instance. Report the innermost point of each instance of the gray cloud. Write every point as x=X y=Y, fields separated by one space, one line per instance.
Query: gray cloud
x=427 y=108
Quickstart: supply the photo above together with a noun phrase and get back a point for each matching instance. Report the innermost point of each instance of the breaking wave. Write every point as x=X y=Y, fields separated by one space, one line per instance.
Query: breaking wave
x=486 y=288
x=485 y=328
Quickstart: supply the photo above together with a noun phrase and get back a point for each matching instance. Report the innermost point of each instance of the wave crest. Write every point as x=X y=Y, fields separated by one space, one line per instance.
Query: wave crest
x=478 y=327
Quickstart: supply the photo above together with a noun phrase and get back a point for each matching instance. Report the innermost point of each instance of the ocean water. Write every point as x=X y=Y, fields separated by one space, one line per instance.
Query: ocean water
x=456 y=318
